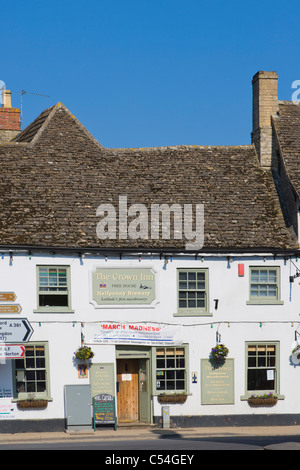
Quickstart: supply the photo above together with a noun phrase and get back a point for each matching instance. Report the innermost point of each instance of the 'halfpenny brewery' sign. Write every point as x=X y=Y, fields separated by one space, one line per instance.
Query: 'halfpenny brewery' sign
x=121 y=287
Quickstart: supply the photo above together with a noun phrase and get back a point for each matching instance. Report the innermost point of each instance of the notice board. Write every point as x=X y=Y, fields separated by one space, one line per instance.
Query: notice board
x=104 y=411
x=217 y=382
x=102 y=378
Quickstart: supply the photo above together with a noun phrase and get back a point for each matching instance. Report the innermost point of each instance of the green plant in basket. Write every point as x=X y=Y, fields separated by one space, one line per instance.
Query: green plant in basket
x=84 y=353
x=220 y=351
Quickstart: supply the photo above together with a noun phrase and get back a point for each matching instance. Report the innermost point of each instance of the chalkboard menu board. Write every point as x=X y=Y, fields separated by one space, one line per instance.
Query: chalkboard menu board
x=104 y=409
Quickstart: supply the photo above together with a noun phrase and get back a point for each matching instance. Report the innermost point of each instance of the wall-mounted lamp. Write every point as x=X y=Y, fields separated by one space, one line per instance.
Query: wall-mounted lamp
x=294 y=276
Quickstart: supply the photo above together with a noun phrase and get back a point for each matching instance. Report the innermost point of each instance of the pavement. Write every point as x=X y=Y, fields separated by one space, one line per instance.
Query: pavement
x=153 y=432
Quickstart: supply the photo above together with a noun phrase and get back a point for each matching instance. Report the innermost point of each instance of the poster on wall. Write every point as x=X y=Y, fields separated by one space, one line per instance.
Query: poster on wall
x=123 y=287
x=132 y=333
x=7 y=409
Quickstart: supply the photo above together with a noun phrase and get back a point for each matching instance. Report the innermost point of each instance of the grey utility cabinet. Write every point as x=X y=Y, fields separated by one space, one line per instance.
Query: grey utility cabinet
x=78 y=407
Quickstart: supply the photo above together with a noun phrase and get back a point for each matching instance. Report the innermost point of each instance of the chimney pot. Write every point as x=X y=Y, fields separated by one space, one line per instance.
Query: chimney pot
x=6 y=99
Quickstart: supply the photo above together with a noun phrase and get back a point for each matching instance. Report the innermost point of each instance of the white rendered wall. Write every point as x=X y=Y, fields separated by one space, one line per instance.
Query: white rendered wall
x=236 y=321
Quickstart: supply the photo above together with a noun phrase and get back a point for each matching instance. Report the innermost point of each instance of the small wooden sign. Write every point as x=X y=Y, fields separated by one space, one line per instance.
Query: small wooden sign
x=104 y=410
x=14 y=308
x=7 y=296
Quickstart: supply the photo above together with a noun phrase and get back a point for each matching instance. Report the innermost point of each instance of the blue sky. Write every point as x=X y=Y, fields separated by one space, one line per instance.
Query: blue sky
x=149 y=72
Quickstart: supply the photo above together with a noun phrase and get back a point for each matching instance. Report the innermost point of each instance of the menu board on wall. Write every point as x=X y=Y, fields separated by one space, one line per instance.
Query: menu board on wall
x=123 y=287
x=217 y=382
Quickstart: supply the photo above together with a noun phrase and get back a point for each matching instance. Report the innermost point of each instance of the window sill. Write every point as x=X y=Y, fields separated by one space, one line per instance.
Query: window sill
x=264 y=302
x=53 y=310
x=190 y=313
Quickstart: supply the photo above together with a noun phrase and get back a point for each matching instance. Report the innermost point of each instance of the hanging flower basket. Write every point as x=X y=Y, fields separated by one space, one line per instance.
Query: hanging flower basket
x=84 y=353
x=296 y=351
x=32 y=403
x=172 y=399
x=219 y=352
x=263 y=400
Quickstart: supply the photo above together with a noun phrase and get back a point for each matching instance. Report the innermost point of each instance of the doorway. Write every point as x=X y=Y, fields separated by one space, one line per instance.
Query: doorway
x=133 y=390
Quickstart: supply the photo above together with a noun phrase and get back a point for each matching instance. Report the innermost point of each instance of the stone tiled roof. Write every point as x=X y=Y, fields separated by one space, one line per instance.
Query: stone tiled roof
x=28 y=134
x=55 y=175
x=287 y=127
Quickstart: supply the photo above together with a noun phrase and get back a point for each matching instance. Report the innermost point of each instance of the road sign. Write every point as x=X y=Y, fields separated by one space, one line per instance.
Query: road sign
x=12 y=351
x=13 y=308
x=7 y=296
x=15 y=330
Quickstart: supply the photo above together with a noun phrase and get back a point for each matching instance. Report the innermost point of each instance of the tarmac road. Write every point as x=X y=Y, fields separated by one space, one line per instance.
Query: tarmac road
x=153 y=439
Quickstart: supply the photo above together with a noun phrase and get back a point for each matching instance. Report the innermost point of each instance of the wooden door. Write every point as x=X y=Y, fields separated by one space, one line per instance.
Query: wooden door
x=128 y=389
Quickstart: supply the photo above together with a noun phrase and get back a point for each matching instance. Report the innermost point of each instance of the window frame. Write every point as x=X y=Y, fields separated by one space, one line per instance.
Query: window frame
x=276 y=390
x=36 y=395
x=265 y=300
x=53 y=309
x=190 y=311
x=157 y=391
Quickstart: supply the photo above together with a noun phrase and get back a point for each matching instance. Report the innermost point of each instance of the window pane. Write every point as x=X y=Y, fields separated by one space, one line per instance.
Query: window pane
x=191 y=276
x=272 y=276
x=182 y=276
x=52 y=300
x=263 y=291
x=191 y=292
x=170 y=375
x=53 y=281
x=257 y=380
x=261 y=359
x=263 y=276
x=254 y=291
x=201 y=285
x=31 y=372
x=183 y=285
x=251 y=361
x=254 y=276
x=272 y=292
x=264 y=283
x=192 y=285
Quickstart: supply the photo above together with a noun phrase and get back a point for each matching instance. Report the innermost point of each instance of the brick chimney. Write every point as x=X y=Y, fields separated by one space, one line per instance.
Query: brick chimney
x=265 y=105
x=10 y=124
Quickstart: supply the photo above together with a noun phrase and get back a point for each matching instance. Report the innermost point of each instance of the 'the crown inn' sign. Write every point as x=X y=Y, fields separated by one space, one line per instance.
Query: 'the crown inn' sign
x=122 y=287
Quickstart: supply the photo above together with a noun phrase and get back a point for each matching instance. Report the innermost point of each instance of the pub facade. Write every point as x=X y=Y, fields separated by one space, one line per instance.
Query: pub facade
x=165 y=278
